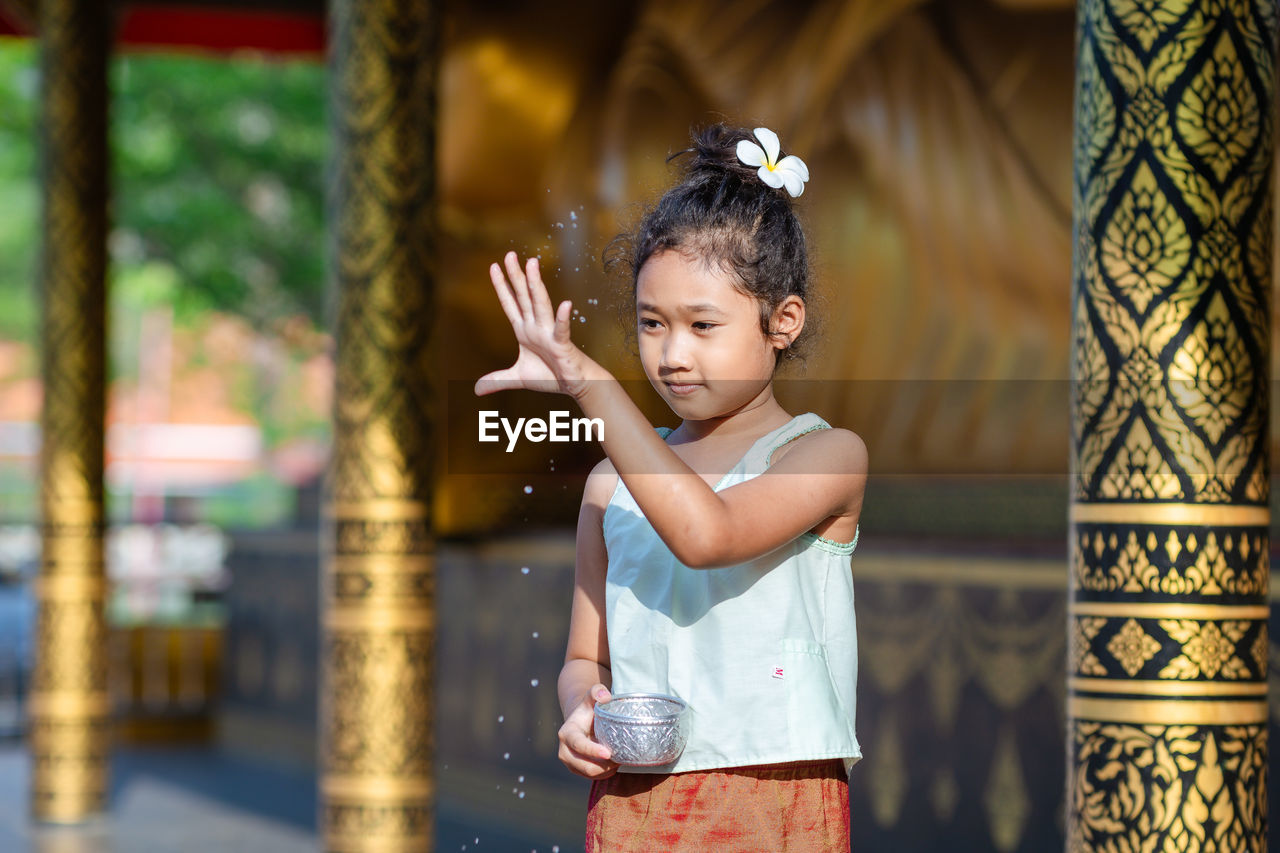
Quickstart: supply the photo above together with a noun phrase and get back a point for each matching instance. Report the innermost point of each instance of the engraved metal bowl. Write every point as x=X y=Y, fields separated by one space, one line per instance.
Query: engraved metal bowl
x=643 y=729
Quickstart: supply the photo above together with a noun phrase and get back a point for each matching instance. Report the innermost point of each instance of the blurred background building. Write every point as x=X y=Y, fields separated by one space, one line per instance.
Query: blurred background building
x=939 y=137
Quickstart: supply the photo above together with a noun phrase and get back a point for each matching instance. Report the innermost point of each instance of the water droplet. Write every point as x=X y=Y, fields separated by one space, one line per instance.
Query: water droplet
x=555 y=848
x=506 y=756
x=524 y=570
x=573 y=215
x=559 y=224
x=501 y=718
x=582 y=319
x=522 y=797
x=519 y=778
x=533 y=682
x=528 y=490
x=535 y=635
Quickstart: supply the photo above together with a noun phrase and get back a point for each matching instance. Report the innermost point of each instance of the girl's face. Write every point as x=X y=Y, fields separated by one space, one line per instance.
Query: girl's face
x=700 y=339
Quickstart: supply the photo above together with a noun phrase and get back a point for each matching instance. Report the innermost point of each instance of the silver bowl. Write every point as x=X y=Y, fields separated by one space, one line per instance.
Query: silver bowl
x=643 y=729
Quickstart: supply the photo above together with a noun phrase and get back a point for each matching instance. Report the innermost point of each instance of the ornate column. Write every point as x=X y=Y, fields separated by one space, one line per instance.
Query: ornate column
x=378 y=588
x=1167 y=677
x=69 y=702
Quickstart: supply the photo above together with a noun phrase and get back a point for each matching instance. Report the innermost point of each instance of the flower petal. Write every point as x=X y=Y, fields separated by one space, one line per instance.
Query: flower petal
x=794 y=174
x=792 y=180
x=791 y=161
x=772 y=178
x=769 y=140
x=750 y=153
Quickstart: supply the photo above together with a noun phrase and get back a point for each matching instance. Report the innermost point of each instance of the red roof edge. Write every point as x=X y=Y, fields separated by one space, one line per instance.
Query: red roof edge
x=221 y=30
x=9 y=25
x=207 y=28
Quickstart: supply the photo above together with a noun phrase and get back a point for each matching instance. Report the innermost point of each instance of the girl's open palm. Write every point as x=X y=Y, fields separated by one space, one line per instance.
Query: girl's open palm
x=548 y=360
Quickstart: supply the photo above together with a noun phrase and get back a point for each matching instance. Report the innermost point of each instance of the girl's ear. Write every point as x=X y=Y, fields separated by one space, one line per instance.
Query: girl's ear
x=788 y=321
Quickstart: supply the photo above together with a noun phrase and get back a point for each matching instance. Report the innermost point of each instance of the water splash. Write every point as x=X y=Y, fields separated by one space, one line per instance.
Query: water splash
x=533 y=682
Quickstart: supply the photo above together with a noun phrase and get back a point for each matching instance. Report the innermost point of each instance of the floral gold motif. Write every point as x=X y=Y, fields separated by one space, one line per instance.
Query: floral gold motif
x=1132 y=647
x=1166 y=789
x=1219 y=112
x=1207 y=649
x=1146 y=246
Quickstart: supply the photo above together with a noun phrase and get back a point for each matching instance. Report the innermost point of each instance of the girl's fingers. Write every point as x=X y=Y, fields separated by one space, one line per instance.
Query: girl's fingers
x=588 y=748
x=563 y=315
x=538 y=292
x=520 y=285
x=505 y=299
x=590 y=763
x=498 y=380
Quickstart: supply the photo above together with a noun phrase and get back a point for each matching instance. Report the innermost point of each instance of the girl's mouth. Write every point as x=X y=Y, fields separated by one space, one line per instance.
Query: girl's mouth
x=683 y=388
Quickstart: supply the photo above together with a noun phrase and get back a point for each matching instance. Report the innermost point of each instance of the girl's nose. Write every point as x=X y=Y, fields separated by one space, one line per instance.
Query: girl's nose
x=675 y=353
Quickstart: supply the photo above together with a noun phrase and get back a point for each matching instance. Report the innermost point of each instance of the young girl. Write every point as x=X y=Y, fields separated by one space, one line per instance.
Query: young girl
x=713 y=560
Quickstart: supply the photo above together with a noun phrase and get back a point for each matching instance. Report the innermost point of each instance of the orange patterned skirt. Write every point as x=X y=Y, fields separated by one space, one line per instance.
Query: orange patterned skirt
x=771 y=808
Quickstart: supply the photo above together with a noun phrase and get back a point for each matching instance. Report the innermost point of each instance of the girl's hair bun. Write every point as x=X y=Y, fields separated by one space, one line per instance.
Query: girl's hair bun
x=715 y=148
x=714 y=154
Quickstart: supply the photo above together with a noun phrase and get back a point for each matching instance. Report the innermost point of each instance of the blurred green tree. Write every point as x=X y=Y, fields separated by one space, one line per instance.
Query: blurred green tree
x=217 y=186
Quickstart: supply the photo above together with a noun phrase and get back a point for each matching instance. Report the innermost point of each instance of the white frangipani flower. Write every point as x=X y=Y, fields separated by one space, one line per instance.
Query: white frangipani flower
x=791 y=172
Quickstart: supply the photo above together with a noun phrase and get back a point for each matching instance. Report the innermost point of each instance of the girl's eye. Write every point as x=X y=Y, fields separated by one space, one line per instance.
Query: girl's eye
x=648 y=323
x=703 y=326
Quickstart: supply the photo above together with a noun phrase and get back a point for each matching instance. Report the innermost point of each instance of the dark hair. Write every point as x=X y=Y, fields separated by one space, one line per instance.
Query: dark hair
x=722 y=214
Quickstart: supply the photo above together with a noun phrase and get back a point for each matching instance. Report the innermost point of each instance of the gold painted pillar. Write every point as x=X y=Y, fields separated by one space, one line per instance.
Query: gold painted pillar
x=69 y=702
x=378 y=589
x=1167 y=676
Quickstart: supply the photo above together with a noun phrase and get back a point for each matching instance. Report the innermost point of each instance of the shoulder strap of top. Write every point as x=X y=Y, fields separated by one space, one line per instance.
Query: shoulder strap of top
x=761 y=453
x=664 y=431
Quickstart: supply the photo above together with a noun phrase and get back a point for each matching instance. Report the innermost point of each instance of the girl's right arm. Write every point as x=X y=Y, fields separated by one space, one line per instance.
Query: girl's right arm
x=585 y=678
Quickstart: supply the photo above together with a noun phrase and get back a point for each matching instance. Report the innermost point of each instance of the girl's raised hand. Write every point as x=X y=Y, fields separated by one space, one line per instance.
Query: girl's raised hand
x=547 y=360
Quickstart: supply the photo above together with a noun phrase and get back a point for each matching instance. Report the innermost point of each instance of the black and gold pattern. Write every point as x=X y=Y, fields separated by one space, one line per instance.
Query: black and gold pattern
x=1169 y=544
x=69 y=700
x=1181 y=649
x=379 y=587
x=1166 y=788
x=1162 y=559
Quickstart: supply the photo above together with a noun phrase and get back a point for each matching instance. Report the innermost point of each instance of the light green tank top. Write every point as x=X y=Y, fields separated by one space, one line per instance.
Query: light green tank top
x=765 y=652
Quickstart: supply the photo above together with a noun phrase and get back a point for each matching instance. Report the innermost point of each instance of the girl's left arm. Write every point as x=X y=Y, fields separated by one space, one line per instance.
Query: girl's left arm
x=822 y=475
